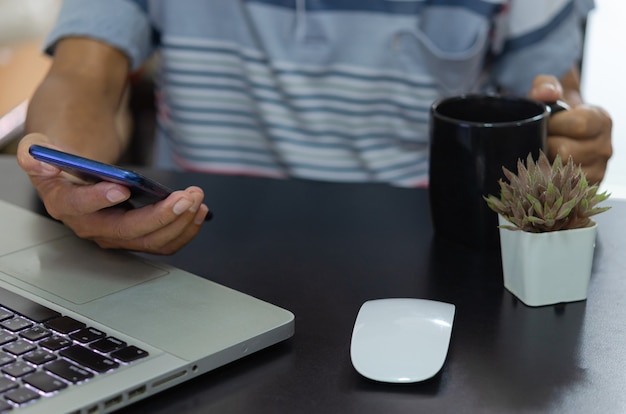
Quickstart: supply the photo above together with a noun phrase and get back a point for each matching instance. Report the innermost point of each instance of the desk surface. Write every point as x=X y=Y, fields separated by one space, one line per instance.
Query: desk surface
x=322 y=249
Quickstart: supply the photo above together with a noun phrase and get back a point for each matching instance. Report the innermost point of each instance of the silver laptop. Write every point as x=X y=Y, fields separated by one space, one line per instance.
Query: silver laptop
x=85 y=330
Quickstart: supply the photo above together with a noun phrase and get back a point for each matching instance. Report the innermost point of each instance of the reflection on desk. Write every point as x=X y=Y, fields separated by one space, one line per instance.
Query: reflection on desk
x=322 y=249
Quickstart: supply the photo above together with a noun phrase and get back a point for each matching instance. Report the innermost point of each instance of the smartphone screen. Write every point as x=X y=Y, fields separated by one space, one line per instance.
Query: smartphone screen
x=143 y=190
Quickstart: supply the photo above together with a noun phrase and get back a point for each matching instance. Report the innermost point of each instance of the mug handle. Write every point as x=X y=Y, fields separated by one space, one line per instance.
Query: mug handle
x=557 y=106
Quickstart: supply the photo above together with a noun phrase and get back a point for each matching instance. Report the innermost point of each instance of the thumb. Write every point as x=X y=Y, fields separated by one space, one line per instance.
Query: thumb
x=28 y=163
x=546 y=88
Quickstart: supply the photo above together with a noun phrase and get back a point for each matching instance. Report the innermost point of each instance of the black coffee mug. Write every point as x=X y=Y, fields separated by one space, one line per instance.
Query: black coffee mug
x=471 y=138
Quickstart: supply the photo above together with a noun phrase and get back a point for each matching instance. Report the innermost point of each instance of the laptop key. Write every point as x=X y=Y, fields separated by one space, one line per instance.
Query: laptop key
x=5 y=358
x=39 y=357
x=26 y=307
x=108 y=344
x=21 y=396
x=89 y=358
x=6 y=337
x=5 y=314
x=16 y=324
x=35 y=333
x=7 y=384
x=65 y=324
x=44 y=382
x=129 y=354
x=87 y=335
x=19 y=347
x=5 y=407
x=55 y=343
x=68 y=371
x=18 y=369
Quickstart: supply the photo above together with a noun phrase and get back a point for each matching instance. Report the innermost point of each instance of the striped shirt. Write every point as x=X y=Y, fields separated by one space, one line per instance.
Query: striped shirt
x=335 y=90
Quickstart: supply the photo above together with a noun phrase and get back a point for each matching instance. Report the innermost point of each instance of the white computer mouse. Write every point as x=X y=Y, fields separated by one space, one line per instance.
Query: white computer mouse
x=401 y=340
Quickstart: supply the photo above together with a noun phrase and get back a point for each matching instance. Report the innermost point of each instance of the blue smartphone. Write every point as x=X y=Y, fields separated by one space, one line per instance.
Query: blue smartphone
x=143 y=190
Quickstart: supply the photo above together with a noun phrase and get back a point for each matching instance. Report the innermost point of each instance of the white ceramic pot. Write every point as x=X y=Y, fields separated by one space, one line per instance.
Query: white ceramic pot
x=547 y=268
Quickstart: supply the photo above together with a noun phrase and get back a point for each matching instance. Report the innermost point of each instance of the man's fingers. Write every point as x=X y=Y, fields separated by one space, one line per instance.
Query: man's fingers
x=546 y=88
x=167 y=238
x=65 y=199
x=125 y=225
x=33 y=167
x=583 y=122
x=587 y=153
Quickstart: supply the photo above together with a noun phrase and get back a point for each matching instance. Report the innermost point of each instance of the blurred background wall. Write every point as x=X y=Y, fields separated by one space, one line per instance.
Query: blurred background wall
x=23 y=25
x=604 y=81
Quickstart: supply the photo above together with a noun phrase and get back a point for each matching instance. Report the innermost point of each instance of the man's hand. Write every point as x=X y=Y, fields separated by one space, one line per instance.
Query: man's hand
x=89 y=210
x=584 y=132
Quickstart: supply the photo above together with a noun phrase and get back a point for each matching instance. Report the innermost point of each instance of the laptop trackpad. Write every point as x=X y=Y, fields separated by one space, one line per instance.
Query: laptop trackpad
x=77 y=271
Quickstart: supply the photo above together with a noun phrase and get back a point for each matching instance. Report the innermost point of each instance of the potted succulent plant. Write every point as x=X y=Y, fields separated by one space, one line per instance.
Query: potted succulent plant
x=547 y=236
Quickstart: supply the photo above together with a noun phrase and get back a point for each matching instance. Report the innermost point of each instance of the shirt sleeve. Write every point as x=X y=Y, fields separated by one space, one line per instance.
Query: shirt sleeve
x=123 y=24
x=540 y=37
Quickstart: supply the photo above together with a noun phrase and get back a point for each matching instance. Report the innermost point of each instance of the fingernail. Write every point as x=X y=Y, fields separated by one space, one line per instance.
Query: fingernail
x=548 y=86
x=181 y=206
x=115 y=196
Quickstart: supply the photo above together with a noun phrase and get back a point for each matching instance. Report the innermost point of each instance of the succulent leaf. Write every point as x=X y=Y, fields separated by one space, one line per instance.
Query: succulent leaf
x=536 y=204
x=546 y=196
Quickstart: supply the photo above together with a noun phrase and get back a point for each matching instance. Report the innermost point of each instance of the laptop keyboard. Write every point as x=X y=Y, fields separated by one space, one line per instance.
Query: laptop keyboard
x=43 y=352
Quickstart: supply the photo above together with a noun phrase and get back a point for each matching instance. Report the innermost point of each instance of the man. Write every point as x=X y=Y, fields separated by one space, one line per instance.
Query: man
x=333 y=90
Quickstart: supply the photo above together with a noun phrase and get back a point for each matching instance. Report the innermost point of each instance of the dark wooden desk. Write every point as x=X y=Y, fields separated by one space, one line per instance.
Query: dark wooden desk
x=322 y=249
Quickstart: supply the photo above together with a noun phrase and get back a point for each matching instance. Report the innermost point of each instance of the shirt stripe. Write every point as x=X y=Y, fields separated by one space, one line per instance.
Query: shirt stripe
x=337 y=121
